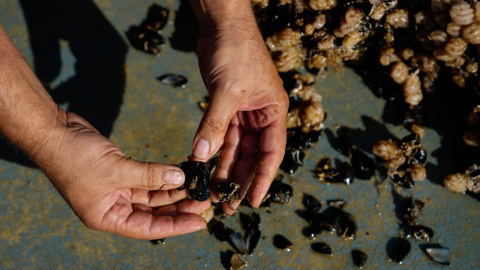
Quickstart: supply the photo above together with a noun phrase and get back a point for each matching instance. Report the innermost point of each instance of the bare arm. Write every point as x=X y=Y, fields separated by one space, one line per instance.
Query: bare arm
x=105 y=190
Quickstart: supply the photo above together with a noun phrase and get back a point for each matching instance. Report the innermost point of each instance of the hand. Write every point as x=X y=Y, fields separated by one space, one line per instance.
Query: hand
x=109 y=192
x=246 y=116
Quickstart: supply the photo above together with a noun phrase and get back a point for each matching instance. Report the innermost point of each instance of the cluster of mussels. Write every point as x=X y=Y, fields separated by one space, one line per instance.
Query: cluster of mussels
x=334 y=220
x=304 y=119
x=197 y=181
x=404 y=160
x=147 y=36
x=408 y=212
x=361 y=167
x=243 y=244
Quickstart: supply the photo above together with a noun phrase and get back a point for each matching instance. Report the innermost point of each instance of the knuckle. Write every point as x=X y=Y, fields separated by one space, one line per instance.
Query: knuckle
x=149 y=177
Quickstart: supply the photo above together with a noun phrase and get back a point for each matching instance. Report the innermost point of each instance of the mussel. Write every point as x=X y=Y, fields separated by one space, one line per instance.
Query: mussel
x=322 y=248
x=420 y=232
x=311 y=203
x=146 y=37
x=282 y=242
x=228 y=191
x=359 y=258
x=173 y=79
x=197 y=178
x=280 y=192
x=438 y=253
x=397 y=249
x=363 y=166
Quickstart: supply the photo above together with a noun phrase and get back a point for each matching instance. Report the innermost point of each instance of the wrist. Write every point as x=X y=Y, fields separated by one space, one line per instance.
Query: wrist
x=215 y=14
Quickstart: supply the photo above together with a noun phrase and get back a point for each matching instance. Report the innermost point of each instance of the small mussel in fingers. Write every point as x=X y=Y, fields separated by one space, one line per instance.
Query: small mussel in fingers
x=227 y=191
x=197 y=178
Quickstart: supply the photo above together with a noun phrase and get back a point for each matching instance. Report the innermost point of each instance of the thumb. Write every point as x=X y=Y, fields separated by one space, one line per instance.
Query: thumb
x=150 y=176
x=213 y=127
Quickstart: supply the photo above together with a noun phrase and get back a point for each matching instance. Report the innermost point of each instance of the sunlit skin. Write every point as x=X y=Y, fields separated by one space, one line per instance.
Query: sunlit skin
x=245 y=118
x=108 y=192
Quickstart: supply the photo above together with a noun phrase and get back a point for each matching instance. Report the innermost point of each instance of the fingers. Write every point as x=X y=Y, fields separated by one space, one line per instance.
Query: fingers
x=157 y=198
x=183 y=208
x=148 y=176
x=272 y=151
x=245 y=169
x=213 y=127
x=228 y=157
x=142 y=222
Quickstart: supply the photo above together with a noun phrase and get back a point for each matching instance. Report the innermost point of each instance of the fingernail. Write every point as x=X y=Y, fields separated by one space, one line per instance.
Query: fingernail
x=201 y=149
x=175 y=177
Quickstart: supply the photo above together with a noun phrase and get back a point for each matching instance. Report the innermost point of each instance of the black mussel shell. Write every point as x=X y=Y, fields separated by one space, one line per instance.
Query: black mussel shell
x=346 y=173
x=312 y=231
x=418 y=157
x=398 y=249
x=420 y=232
x=156 y=18
x=292 y=160
x=322 y=248
x=337 y=203
x=359 y=258
x=219 y=230
x=173 y=79
x=437 y=253
x=197 y=178
x=294 y=101
x=311 y=203
x=280 y=192
x=238 y=242
x=145 y=40
x=310 y=216
x=363 y=166
x=403 y=180
x=340 y=221
x=250 y=222
x=344 y=144
x=281 y=242
x=251 y=240
x=410 y=141
x=343 y=174
x=297 y=139
x=227 y=190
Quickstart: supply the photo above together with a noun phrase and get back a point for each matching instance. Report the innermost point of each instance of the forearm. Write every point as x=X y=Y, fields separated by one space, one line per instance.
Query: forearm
x=29 y=117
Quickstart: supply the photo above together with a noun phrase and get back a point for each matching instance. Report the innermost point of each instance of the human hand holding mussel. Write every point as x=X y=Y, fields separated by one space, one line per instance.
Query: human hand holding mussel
x=106 y=190
x=246 y=116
